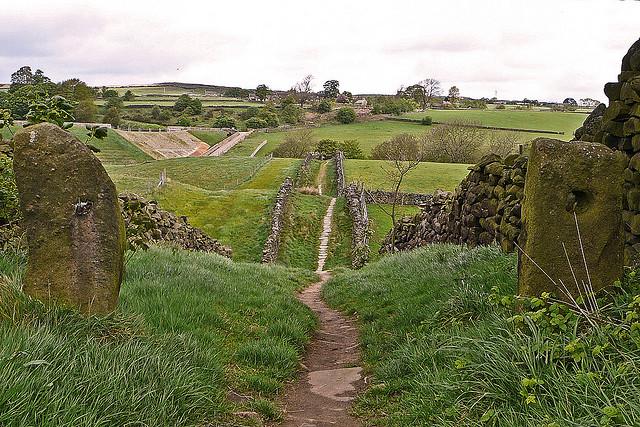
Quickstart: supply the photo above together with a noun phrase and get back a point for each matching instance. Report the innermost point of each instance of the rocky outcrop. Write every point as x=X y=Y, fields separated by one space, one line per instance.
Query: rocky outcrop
x=355 y=197
x=485 y=208
x=147 y=224
x=571 y=183
x=71 y=215
x=340 y=183
x=387 y=198
x=272 y=245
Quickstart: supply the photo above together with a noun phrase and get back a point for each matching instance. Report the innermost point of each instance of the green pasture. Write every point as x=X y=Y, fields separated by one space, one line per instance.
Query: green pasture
x=521 y=119
x=425 y=178
x=210 y=137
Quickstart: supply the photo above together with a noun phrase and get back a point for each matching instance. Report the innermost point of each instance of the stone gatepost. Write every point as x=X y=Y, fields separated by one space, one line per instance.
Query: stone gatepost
x=72 y=218
x=566 y=181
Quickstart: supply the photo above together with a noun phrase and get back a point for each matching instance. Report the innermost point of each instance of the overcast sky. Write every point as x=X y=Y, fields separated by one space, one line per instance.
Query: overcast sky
x=542 y=49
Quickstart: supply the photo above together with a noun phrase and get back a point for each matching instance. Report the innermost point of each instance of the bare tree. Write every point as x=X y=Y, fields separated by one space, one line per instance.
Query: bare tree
x=455 y=142
x=303 y=89
x=402 y=154
x=503 y=143
x=431 y=89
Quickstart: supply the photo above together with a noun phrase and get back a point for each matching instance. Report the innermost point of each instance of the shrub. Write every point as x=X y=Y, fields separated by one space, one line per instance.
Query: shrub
x=351 y=149
x=501 y=107
x=249 y=113
x=184 y=121
x=112 y=116
x=401 y=147
x=392 y=105
x=224 y=121
x=346 y=115
x=455 y=142
x=327 y=147
x=324 y=106
x=185 y=101
x=256 y=123
x=296 y=144
x=426 y=120
x=85 y=111
x=9 y=203
x=155 y=112
x=269 y=116
x=291 y=114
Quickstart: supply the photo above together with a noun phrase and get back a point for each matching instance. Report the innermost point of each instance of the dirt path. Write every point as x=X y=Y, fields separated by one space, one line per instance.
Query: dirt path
x=322 y=173
x=331 y=378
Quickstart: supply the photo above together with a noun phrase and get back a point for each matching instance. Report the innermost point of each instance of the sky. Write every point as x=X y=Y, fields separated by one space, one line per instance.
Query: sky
x=543 y=49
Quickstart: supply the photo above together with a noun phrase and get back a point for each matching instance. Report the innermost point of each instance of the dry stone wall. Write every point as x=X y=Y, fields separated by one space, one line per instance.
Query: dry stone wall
x=387 y=197
x=485 y=208
x=272 y=245
x=357 y=205
x=340 y=183
x=620 y=130
x=146 y=224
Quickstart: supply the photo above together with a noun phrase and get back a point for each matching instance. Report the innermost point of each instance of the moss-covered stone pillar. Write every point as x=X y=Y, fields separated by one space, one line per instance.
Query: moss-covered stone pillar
x=566 y=181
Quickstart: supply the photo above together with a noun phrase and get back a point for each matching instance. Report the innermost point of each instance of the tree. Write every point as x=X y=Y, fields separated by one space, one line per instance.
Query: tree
x=296 y=144
x=345 y=97
x=76 y=90
x=454 y=94
x=40 y=79
x=86 y=111
x=351 y=149
x=503 y=143
x=327 y=147
x=112 y=116
x=182 y=102
x=224 y=121
x=303 y=89
x=455 y=142
x=324 y=106
x=155 y=112
x=236 y=92
x=331 y=89
x=402 y=154
x=108 y=93
x=256 y=123
x=569 y=101
x=429 y=89
x=346 y=115
x=128 y=95
x=23 y=76
x=262 y=91
x=291 y=114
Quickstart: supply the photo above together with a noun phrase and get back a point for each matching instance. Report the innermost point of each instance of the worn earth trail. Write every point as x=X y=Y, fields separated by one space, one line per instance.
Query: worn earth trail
x=331 y=378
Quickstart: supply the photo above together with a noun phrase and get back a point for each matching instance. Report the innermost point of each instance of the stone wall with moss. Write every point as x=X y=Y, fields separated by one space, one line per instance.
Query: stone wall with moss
x=484 y=209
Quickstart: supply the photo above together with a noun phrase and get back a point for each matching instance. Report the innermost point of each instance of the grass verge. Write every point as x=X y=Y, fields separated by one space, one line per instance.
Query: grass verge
x=190 y=328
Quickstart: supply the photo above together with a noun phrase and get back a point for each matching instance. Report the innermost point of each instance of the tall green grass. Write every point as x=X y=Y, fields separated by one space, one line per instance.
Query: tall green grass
x=190 y=329
x=444 y=352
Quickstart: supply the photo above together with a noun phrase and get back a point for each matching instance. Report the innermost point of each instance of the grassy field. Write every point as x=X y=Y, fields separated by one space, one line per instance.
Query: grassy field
x=426 y=178
x=301 y=234
x=368 y=134
x=229 y=198
x=210 y=102
x=538 y=120
x=380 y=224
x=447 y=345
x=190 y=329
x=247 y=147
x=210 y=137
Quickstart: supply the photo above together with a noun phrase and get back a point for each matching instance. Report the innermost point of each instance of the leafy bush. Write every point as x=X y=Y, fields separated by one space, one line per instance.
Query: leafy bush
x=291 y=114
x=112 y=116
x=324 y=106
x=392 y=105
x=296 y=144
x=249 y=113
x=327 y=147
x=185 y=101
x=9 y=202
x=346 y=115
x=184 y=121
x=224 y=121
x=426 y=121
x=256 y=123
x=351 y=149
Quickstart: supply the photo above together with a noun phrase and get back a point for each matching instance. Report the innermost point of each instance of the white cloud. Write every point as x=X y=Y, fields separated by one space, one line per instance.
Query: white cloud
x=547 y=49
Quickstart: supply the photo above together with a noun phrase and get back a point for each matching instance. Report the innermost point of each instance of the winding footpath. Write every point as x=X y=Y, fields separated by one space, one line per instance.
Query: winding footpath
x=331 y=379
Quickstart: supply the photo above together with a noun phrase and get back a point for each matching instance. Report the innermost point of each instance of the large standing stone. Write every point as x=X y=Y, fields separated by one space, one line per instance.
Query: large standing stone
x=72 y=217
x=563 y=178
